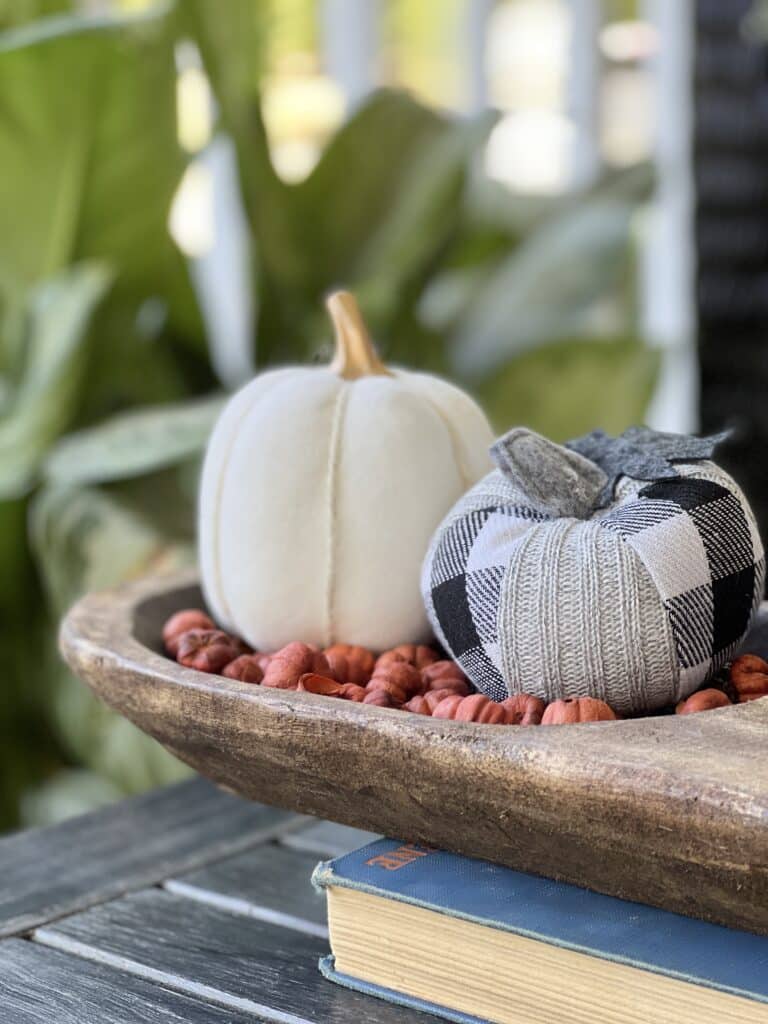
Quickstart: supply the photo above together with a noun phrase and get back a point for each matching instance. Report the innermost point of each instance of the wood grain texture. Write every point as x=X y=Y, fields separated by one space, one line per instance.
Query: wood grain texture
x=234 y=961
x=53 y=871
x=670 y=811
x=40 y=985
x=269 y=882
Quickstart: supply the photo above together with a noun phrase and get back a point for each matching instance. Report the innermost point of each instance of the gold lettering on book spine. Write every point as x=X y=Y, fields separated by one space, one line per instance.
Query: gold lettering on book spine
x=400 y=857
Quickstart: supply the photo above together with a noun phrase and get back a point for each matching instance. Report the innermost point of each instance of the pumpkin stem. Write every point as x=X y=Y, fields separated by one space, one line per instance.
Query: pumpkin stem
x=355 y=355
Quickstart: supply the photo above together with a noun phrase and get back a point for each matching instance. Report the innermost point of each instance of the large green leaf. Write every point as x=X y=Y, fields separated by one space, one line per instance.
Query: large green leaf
x=134 y=443
x=355 y=188
x=232 y=38
x=14 y=13
x=423 y=221
x=551 y=285
x=87 y=146
x=47 y=390
x=88 y=538
x=374 y=211
x=90 y=163
x=570 y=387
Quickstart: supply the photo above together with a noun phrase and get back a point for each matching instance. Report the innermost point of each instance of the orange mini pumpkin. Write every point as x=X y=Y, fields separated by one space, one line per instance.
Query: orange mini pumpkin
x=418 y=655
x=350 y=663
x=247 y=669
x=399 y=679
x=577 y=709
x=523 y=709
x=704 y=700
x=475 y=708
x=749 y=677
x=353 y=692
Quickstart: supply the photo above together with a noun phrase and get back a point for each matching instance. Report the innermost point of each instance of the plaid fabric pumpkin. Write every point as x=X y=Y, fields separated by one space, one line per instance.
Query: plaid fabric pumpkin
x=560 y=575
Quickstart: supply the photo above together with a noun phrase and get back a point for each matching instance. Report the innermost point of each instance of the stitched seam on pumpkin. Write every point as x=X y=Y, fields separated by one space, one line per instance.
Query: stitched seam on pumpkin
x=334 y=459
x=466 y=479
x=669 y=638
x=507 y=612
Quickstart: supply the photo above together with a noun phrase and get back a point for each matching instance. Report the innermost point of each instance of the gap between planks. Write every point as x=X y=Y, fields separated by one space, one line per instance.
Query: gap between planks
x=187 y=986
x=243 y=907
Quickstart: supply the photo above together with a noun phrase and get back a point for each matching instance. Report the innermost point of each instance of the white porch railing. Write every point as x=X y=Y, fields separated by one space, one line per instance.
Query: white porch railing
x=350 y=47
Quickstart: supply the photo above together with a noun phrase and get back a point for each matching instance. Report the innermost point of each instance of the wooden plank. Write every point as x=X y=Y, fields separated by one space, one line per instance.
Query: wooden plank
x=270 y=882
x=327 y=839
x=54 y=871
x=39 y=985
x=238 y=962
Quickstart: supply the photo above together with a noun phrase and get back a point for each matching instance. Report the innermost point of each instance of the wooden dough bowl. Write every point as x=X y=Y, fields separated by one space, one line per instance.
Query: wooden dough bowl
x=669 y=810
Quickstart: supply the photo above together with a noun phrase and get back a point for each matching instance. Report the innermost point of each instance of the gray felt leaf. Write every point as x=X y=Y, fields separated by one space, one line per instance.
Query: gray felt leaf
x=555 y=481
x=641 y=453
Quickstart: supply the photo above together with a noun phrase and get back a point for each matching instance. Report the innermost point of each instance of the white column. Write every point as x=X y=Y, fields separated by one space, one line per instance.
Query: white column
x=583 y=98
x=350 y=45
x=472 y=50
x=221 y=273
x=668 y=266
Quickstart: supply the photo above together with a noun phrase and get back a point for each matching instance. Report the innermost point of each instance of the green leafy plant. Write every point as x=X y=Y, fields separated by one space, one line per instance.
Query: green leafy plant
x=106 y=388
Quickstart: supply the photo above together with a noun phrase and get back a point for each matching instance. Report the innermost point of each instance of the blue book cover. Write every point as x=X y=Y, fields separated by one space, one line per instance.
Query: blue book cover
x=561 y=915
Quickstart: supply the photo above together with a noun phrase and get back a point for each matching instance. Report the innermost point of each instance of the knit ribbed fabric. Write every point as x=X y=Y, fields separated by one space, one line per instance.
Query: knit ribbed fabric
x=587 y=636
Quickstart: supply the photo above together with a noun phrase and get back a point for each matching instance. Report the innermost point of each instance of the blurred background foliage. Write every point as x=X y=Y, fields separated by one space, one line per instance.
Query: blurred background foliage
x=114 y=360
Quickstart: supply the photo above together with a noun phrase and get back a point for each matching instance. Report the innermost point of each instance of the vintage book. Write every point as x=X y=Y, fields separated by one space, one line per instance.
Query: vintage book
x=473 y=941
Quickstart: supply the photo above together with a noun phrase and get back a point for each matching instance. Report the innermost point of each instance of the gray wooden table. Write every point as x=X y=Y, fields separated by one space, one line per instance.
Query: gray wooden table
x=183 y=905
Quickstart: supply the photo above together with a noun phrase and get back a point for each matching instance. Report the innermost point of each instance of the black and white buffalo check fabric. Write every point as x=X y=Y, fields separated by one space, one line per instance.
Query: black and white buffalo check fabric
x=702 y=550
x=467 y=571
x=695 y=537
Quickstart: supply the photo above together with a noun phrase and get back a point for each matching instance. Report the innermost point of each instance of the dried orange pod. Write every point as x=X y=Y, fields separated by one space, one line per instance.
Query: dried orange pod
x=749 y=677
x=418 y=655
x=442 y=669
x=445 y=675
x=350 y=663
x=474 y=708
x=353 y=692
x=457 y=686
x=479 y=708
x=523 y=709
x=435 y=697
x=247 y=669
x=263 y=659
x=447 y=707
x=577 y=709
x=207 y=650
x=311 y=682
x=418 y=705
x=182 y=622
x=401 y=680
x=704 y=700
x=379 y=699
x=287 y=665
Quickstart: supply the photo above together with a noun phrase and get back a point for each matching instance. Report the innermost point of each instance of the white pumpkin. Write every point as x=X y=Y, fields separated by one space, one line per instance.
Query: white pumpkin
x=321 y=489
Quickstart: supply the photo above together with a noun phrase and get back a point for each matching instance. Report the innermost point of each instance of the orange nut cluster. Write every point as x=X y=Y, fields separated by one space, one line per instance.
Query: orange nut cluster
x=749 y=677
x=410 y=677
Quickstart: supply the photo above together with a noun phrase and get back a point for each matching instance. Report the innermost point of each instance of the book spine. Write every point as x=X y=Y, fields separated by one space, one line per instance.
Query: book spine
x=327 y=967
x=323 y=876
